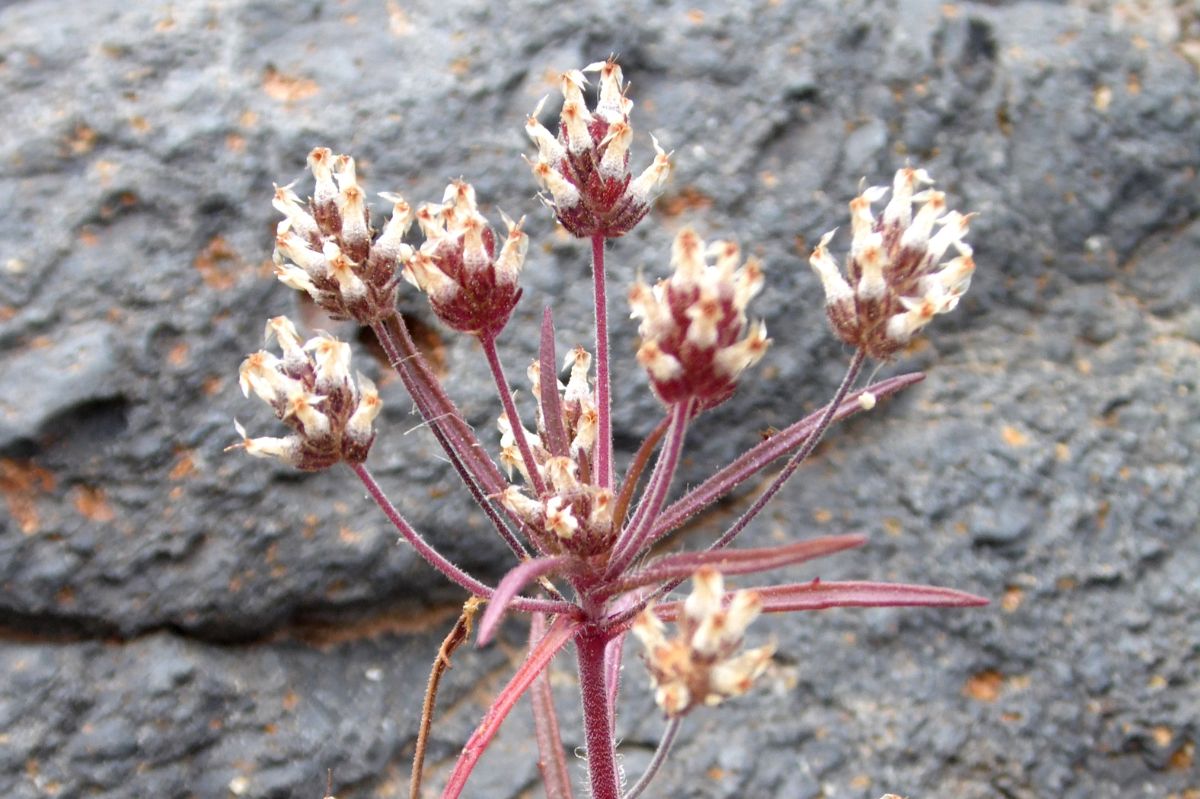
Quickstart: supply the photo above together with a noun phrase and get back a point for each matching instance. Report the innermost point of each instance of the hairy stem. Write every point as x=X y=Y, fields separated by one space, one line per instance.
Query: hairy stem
x=604 y=437
x=434 y=404
x=660 y=757
x=597 y=719
x=394 y=346
x=510 y=409
x=634 y=473
x=637 y=532
x=814 y=438
x=437 y=560
x=617 y=621
x=552 y=762
x=764 y=453
x=453 y=640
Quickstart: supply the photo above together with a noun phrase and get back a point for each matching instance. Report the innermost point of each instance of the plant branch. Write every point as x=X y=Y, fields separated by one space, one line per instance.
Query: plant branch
x=439 y=561
x=552 y=762
x=810 y=444
x=635 y=535
x=764 y=453
x=454 y=639
x=561 y=631
x=604 y=436
x=510 y=409
x=636 y=467
x=660 y=756
x=394 y=347
x=434 y=558
x=619 y=620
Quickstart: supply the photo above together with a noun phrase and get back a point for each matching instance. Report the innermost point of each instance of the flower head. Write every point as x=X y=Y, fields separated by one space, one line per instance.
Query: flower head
x=585 y=167
x=574 y=515
x=326 y=247
x=693 y=322
x=895 y=280
x=311 y=391
x=704 y=663
x=471 y=287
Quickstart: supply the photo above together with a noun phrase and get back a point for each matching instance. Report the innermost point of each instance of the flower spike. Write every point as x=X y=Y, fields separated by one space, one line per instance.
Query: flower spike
x=585 y=167
x=692 y=323
x=310 y=390
x=895 y=282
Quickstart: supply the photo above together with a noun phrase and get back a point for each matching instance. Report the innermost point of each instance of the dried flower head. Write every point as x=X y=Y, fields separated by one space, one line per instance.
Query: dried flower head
x=470 y=287
x=703 y=663
x=585 y=168
x=310 y=390
x=574 y=515
x=324 y=247
x=895 y=281
x=692 y=323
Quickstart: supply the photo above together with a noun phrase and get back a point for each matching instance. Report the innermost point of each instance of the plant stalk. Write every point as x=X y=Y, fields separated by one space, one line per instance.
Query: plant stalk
x=395 y=346
x=660 y=757
x=604 y=436
x=510 y=409
x=814 y=438
x=590 y=645
x=637 y=532
x=439 y=561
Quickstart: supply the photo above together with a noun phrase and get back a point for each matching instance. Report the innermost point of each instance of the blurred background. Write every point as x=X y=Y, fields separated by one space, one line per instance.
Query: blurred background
x=176 y=621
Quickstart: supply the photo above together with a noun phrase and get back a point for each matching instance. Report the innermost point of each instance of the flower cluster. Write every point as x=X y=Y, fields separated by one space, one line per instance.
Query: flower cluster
x=325 y=248
x=692 y=323
x=575 y=515
x=895 y=282
x=703 y=664
x=584 y=534
x=586 y=166
x=470 y=288
x=311 y=391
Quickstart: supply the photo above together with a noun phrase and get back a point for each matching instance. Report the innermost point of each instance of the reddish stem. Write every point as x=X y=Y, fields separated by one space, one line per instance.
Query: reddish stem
x=395 y=347
x=561 y=631
x=637 y=533
x=590 y=645
x=604 y=440
x=761 y=455
x=814 y=438
x=636 y=467
x=439 y=561
x=552 y=762
x=510 y=409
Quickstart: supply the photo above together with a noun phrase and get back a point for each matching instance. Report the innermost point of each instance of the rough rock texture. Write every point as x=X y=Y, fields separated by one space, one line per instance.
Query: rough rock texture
x=183 y=622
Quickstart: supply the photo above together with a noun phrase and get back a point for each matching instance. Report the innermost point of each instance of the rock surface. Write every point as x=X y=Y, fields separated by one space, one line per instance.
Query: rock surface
x=178 y=621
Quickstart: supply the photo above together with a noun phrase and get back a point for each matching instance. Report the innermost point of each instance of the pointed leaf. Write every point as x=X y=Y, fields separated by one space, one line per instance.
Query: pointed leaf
x=761 y=456
x=818 y=595
x=552 y=417
x=561 y=631
x=739 y=561
x=516 y=579
x=552 y=761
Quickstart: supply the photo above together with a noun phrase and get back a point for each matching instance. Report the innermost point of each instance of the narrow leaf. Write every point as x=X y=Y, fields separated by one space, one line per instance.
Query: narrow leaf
x=739 y=561
x=818 y=595
x=552 y=418
x=516 y=579
x=552 y=761
x=761 y=456
x=561 y=631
